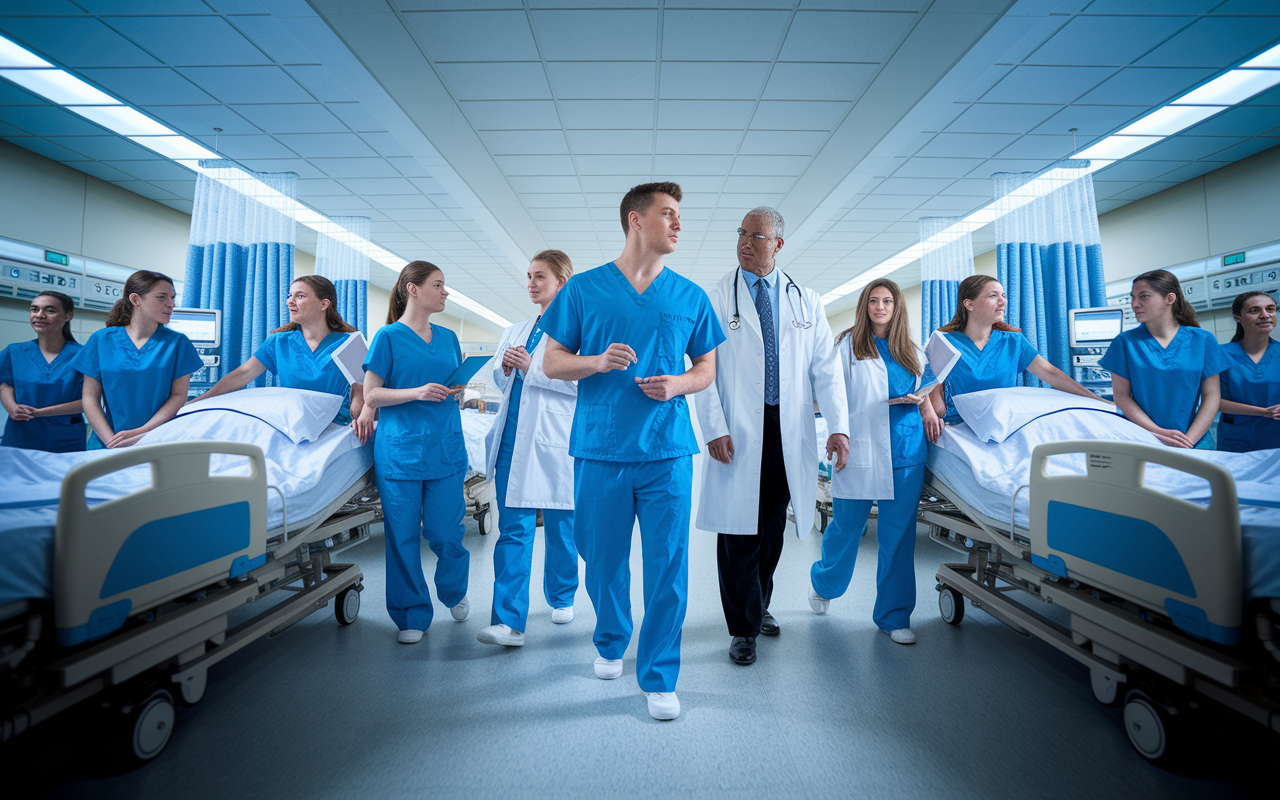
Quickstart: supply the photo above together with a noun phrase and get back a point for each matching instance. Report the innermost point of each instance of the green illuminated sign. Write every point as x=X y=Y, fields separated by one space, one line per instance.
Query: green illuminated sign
x=1234 y=258
x=56 y=258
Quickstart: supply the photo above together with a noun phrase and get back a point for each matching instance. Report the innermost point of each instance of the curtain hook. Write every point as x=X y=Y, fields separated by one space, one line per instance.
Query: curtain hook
x=217 y=131
x=1072 y=131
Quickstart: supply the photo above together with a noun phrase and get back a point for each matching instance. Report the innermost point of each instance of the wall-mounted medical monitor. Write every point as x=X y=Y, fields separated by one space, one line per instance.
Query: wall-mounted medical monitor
x=1091 y=326
x=203 y=326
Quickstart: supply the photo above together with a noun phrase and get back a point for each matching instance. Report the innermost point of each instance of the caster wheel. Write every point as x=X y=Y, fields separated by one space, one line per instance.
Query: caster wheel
x=950 y=605
x=348 y=606
x=147 y=726
x=485 y=521
x=822 y=522
x=1150 y=726
x=1105 y=689
x=191 y=690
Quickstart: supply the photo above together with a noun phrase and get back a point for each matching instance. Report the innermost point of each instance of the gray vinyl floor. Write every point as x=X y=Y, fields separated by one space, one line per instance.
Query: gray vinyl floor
x=833 y=708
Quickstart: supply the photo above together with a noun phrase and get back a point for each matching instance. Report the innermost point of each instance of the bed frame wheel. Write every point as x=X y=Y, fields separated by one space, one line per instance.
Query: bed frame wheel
x=485 y=522
x=822 y=522
x=950 y=605
x=147 y=726
x=1106 y=690
x=1151 y=727
x=348 y=606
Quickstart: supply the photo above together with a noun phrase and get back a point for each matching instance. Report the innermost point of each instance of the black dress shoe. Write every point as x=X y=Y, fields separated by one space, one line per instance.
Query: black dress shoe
x=769 y=625
x=743 y=650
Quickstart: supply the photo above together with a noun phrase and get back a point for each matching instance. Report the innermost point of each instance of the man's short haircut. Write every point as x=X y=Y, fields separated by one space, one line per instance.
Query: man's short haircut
x=641 y=197
x=771 y=215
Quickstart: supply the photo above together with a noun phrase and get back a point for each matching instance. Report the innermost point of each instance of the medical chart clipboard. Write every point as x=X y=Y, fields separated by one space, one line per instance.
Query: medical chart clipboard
x=349 y=356
x=470 y=366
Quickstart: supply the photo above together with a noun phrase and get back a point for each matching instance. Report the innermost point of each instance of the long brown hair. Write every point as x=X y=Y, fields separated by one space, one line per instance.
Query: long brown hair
x=68 y=307
x=969 y=289
x=140 y=283
x=861 y=335
x=323 y=289
x=1164 y=282
x=415 y=272
x=1237 y=308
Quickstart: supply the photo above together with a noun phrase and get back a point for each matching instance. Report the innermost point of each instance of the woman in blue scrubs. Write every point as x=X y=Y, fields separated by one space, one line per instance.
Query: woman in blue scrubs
x=528 y=456
x=991 y=352
x=39 y=390
x=300 y=353
x=1164 y=373
x=888 y=422
x=1251 y=388
x=419 y=456
x=136 y=371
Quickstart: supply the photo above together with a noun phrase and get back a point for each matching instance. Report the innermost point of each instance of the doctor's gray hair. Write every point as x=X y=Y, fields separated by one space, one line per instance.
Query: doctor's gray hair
x=776 y=223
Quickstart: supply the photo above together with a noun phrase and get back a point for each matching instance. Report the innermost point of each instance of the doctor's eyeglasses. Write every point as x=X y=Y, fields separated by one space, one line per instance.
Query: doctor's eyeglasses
x=757 y=236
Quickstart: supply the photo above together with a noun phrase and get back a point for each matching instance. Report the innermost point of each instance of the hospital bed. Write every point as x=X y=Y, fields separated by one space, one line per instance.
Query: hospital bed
x=128 y=574
x=479 y=490
x=1157 y=569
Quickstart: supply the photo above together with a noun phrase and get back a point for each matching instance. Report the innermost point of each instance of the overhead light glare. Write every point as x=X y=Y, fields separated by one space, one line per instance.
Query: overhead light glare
x=1230 y=88
x=1170 y=120
x=1271 y=58
x=61 y=87
x=123 y=120
x=174 y=147
x=13 y=55
x=1116 y=147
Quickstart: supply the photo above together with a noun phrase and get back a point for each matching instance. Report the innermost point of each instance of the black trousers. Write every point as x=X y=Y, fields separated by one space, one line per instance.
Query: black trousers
x=746 y=562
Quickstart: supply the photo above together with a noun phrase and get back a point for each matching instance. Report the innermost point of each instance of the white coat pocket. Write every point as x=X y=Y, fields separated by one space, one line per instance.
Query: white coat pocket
x=859 y=454
x=553 y=429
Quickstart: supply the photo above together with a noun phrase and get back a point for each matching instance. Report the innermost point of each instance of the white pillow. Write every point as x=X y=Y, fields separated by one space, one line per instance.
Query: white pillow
x=996 y=414
x=300 y=414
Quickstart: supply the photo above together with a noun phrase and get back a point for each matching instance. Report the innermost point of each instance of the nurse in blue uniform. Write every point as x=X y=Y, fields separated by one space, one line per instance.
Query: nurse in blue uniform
x=889 y=419
x=1251 y=388
x=39 y=390
x=300 y=353
x=136 y=371
x=1165 y=372
x=528 y=457
x=622 y=331
x=978 y=350
x=419 y=457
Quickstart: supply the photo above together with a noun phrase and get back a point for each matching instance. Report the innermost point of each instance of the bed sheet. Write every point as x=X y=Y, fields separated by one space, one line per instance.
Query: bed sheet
x=987 y=474
x=475 y=426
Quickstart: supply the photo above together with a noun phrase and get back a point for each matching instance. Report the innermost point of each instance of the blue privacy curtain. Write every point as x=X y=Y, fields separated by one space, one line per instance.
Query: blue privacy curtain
x=240 y=255
x=347 y=267
x=947 y=259
x=1048 y=253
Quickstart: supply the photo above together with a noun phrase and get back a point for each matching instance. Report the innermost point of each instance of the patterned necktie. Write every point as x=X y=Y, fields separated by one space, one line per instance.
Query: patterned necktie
x=765 y=308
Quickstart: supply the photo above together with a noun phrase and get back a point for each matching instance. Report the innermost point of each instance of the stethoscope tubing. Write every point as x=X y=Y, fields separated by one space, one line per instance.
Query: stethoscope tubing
x=804 y=322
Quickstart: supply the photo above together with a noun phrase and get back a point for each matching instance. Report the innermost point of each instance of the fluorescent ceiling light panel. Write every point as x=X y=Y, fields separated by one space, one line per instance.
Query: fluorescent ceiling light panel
x=1169 y=120
x=174 y=147
x=122 y=120
x=61 y=87
x=1234 y=87
x=11 y=55
x=1117 y=147
x=1271 y=58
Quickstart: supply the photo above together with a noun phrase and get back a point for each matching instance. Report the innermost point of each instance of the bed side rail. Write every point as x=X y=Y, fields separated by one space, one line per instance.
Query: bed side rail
x=186 y=530
x=1165 y=553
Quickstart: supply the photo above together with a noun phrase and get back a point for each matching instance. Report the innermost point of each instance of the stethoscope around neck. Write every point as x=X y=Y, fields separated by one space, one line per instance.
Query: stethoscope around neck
x=799 y=320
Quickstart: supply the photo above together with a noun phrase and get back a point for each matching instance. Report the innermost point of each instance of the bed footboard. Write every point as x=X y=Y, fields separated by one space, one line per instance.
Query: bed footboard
x=1165 y=553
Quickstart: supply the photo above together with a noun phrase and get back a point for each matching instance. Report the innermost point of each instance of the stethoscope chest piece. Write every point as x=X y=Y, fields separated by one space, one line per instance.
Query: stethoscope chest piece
x=734 y=324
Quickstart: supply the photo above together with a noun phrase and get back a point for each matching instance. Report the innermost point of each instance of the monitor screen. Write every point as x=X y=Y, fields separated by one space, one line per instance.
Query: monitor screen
x=200 y=325
x=1096 y=326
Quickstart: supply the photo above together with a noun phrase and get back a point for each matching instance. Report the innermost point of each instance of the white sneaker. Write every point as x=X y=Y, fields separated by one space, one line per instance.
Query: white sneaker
x=903 y=636
x=818 y=605
x=663 y=705
x=461 y=610
x=608 y=668
x=562 y=615
x=501 y=634
x=409 y=637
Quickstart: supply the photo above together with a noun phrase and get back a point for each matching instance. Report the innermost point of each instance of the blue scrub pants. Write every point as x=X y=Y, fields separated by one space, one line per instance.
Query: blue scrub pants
x=609 y=496
x=434 y=510
x=896 y=533
x=513 y=555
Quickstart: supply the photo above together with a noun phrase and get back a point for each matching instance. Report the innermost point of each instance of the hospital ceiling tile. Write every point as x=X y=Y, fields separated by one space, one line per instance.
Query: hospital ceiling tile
x=410 y=167
x=609 y=165
x=425 y=226
x=868 y=36
x=326 y=145
x=793 y=81
x=611 y=141
x=1129 y=170
x=536 y=143
x=49 y=150
x=147 y=190
x=859 y=226
x=875 y=214
x=356 y=117
x=181 y=204
x=428 y=186
x=1049 y=148
x=890 y=201
x=154 y=169
x=446 y=201
x=1215 y=42
x=1091 y=120
x=602 y=80
x=520 y=80
x=144 y=86
x=799 y=115
x=184 y=189
x=1245 y=149
x=535 y=165
x=103 y=148
x=952 y=205
x=193 y=41
x=1105 y=189
x=553 y=200
x=556 y=227
x=770 y=165
x=722 y=35
x=49 y=121
x=248 y=84
x=113 y=7
x=597 y=35
x=540 y=214
x=690 y=80
x=1110 y=41
x=77 y=42
x=1032 y=84
x=688 y=142
x=937 y=167
x=321 y=83
x=242 y=146
x=8 y=130
x=201 y=120
x=969 y=187
x=386 y=201
x=689 y=200
x=291 y=118
x=511 y=114
x=915 y=186
x=1145 y=86
x=966 y=145
x=304 y=169
x=1186 y=148
x=1239 y=121
x=473 y=35
x=704 y=114
x=991 y=166
x=41 y=8
x=612 y=199
x=373 y=214
x=378 y=186
x=759 y=183
x=546 y=183
x=1271 y=97
x=1151 y=6
x=274 y=39
x=783 y=143
x=384 y=144
x=406 y=216
x=1001 y=118
x=323 y=203
x=1144 y=190
x=606 y=114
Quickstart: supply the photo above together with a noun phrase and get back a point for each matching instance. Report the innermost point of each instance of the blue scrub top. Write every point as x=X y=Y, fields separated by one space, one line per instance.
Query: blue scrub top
x=288 y=355
x=135 y=381
x=517 y=389
x=906 y=425
x=1255 y=385
x=614 y=420
x=995 y=366
x=418 y=440
x=40 y=384
x=1165 y=381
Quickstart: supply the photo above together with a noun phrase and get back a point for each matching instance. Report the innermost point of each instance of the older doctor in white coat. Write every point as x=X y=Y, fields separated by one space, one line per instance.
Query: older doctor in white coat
x=528 y=455
x=757 y=420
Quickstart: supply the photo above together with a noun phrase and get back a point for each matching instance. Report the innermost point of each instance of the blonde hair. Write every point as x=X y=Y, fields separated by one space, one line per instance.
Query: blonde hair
x=558 y=262
x=861 y=335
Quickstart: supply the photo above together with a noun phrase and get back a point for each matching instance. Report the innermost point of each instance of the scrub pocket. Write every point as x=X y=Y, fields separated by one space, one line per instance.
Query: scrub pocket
x=673 y=339
x=597 y=428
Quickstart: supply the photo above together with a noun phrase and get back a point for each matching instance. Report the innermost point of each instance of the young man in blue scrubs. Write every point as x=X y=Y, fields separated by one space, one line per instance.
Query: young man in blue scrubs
x=622 y=331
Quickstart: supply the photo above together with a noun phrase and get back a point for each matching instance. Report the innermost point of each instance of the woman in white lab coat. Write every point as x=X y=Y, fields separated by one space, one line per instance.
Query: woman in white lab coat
x=528 y=455
x=887 y=382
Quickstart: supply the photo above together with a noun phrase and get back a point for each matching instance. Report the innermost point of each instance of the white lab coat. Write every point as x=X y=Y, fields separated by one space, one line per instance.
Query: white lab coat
x=733 y=405
x=541 y=467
